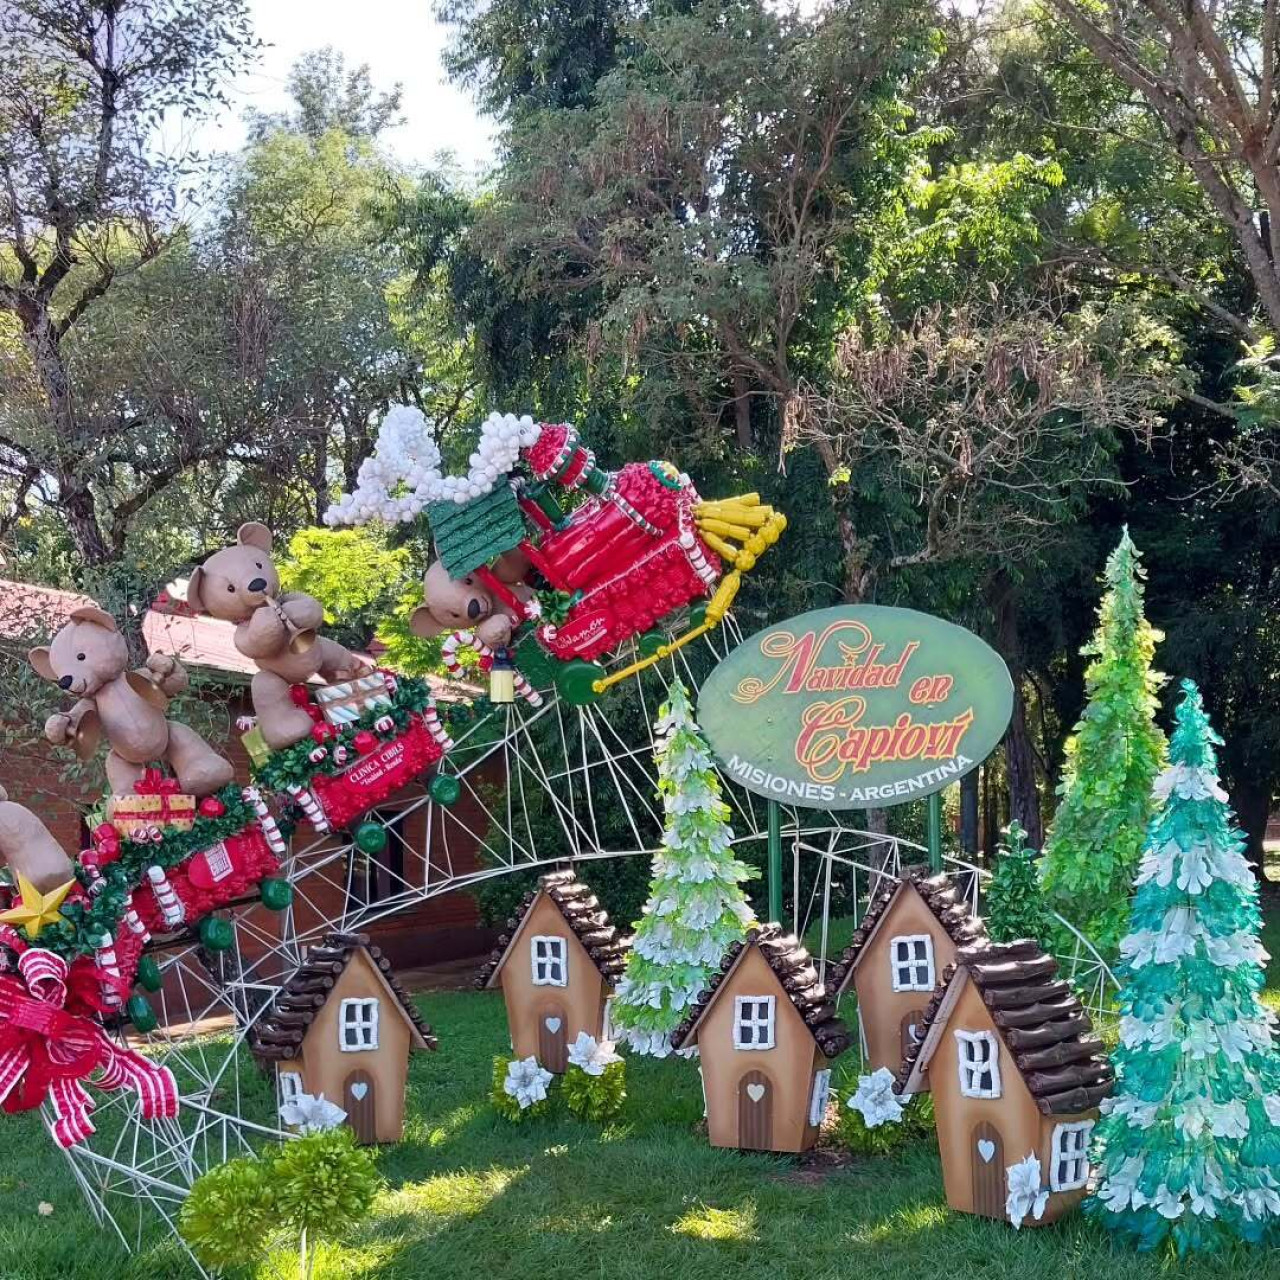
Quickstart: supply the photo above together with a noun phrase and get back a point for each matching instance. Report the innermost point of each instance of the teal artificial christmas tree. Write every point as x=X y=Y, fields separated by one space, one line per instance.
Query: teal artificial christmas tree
x=1113 y=756
x=1013 y=902
x=696 y=906
x=1189 y=1151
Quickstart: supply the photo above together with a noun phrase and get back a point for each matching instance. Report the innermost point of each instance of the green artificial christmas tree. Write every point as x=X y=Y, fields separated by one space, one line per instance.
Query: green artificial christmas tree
x=1014 y=904
x=1113 y=756
x=1189 y=1149
x=696 y=906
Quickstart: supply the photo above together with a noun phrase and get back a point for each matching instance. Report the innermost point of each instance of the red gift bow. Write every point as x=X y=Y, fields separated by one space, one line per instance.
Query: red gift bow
x=46 y=1052
x=154 y=783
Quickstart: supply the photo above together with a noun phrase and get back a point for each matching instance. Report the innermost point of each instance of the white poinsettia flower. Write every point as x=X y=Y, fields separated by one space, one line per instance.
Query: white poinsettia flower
x=1188 y=782
x=1234 y=949
x=1271 y=1101
x=1200 y=1040
x=592 y=1055
x=1202 y=1201
x=1136 y=1113
x=1195 y=874
x=1234 y=1041
x=874 y=1099
x=1119 y=1191
x=1026 y=1197
x=526 y=1081
x=310 y=1113
x=1168 y=1204
x=1258 y=1203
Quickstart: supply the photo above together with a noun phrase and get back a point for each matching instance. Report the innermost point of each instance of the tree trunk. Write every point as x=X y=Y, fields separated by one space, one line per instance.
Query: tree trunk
x=969 y=815
x=81 y=513
x=1253 y=808
x=1024 y=796
x=742 y=411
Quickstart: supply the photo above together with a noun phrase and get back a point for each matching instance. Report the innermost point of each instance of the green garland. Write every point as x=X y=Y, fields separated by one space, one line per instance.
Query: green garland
x=83 y=923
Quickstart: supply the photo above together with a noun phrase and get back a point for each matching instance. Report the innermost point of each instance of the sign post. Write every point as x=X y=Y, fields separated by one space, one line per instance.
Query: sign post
x=855 y=707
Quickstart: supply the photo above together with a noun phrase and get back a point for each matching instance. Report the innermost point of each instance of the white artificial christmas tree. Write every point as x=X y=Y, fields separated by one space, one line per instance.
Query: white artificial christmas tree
x=696 y=906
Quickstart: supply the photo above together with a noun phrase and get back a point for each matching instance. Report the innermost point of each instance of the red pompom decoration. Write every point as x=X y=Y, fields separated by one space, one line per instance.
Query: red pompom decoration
x=315 y=713
x=107 y=839
x=211 y=807
x=299 y=695
x=321 y=732
x=365 y=741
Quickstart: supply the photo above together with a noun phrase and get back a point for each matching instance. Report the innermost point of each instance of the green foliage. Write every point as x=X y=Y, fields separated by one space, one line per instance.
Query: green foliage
x=595 y=1098
x=1095 y=842
x=1190 y=1139
x=230 y=1213
x=916 y=1125
x=1014 y=905
x=352 y=572
x=505 y=1105
x=323 y=1184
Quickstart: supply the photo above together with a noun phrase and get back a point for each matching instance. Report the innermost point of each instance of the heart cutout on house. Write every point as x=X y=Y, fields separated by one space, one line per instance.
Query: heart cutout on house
x=358 y=1090
x=553 y=1025
x=755 y=1092
x=986 y=1149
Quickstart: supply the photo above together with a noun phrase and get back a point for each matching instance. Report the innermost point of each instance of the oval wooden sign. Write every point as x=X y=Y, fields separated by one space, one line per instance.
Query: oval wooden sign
x=856 y=707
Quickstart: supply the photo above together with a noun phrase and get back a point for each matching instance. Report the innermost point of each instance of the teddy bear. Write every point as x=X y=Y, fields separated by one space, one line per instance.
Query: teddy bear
x=29 y=849
x=240 y=584
x=89 y=658
x=466 y=604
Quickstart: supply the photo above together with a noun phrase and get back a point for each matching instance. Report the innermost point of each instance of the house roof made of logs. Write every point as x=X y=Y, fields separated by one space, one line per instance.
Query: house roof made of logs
x=282 y=1029
x=1040 y=1019
x=794 y=968
x=584 y=915
x=938 y=894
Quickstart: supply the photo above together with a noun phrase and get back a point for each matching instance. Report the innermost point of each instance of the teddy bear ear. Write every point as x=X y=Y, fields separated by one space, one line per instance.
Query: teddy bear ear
x=254 y=534
x=39 y=659
x=91 y=613
x=194 y=583
x=423 y=623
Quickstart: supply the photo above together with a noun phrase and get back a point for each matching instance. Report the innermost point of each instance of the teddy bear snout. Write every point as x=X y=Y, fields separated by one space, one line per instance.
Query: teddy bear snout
x=65 y=682
x=258 y=585
x=474 y=608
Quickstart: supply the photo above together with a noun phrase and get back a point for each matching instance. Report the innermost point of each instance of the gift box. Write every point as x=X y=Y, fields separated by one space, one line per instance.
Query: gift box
x=345 y=703
x=156 y=805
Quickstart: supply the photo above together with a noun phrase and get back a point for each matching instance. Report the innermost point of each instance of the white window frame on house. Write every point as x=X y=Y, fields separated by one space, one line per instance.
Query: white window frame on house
x=1069 y=1164
x=972 y=1069
x=910 y=971
x=290 y=1086
x=360 y=1017
x=819 y=1098
x=554 y=956
x=752 y=1014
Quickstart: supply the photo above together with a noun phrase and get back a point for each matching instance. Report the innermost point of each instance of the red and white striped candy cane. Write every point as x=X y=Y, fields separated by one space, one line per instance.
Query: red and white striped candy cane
x=315 y=814
x=275 y=841
x=469 y=640
x=107 y=961
x=170 y=904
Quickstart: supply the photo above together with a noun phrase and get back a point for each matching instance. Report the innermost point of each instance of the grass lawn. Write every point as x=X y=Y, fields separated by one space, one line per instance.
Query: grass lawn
x=472 y=1196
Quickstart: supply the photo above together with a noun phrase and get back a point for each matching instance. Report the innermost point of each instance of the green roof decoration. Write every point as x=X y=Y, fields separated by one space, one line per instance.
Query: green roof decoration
x=469 y=534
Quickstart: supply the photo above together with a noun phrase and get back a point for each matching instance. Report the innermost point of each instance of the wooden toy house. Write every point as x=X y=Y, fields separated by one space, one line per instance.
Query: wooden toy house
x=907 y=938
x=1015 y=1071
x=343 y=1027
x=766 y=1034
x=558 y=965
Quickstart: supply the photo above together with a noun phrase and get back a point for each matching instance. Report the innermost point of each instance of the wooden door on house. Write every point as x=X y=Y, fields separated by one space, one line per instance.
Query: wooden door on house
x=987 y=1156
x=359 y=1098
x=553 y=1048
x=755 y=1112
x=909 y=1032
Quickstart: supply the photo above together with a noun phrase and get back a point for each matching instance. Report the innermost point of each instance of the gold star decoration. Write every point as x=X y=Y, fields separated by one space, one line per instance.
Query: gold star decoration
x=37 y=909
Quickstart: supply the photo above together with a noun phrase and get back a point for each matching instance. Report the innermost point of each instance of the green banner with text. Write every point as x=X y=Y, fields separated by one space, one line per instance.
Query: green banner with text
x=856 y=707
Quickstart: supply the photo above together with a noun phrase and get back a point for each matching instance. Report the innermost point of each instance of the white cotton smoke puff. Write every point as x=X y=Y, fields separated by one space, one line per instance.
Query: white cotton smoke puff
x=403 y=474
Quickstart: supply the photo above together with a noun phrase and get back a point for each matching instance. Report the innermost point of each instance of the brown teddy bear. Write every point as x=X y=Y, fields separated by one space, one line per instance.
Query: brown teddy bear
x=89 y=658
x=466 y=604
x=29 y=848
x=240 y=584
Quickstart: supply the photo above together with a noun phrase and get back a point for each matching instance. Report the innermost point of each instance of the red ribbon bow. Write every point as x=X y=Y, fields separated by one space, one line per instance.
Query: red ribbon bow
x=47 y=1053
x=154 y=783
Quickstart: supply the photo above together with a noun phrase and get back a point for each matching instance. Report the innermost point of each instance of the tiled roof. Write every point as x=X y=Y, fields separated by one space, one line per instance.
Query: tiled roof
x=939 y=895
x=793 y=967
x=469 y=534
x=283 y=1028
x=28 y=610
x=583 y=914
x=1040 y=1019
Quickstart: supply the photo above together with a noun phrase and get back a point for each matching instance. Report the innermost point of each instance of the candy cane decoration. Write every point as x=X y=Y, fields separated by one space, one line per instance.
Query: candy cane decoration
x=275 y=841
x=469 y=640
x=435 y=727
x=701 y=565
x=134 y=921
x=315 y=814
x=106 y=959
x=170 y=904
